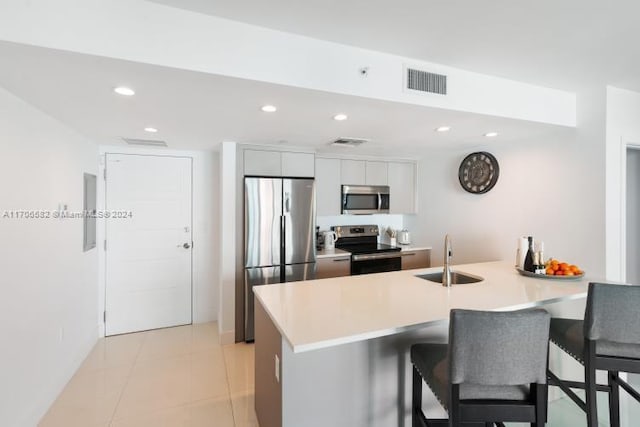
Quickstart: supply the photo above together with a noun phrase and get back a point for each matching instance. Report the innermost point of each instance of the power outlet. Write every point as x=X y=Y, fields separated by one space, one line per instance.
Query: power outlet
x=277 y=368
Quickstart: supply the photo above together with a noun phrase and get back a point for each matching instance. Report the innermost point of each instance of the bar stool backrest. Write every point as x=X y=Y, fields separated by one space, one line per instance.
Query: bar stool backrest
x=498 y=348
x=613 y=313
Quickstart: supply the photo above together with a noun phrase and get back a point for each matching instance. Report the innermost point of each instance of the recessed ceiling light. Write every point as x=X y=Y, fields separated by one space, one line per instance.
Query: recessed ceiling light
x=340 y=117
x=443 y=129
x=269 y=109
x=151 y=130
x=491 y=134
x=126 y=91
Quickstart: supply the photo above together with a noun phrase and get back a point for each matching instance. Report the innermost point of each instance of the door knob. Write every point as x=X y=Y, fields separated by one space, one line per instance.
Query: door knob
x=186 y=246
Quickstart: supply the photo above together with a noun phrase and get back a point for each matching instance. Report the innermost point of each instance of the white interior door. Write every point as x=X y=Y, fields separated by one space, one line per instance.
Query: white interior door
x=148 y=255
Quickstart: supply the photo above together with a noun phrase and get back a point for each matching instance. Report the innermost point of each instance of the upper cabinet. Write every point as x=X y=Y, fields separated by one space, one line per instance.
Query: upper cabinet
x=402 y=187
x=276 y=163
x=328 y=191
x=331 y=174
x=353 y=172
x=377 y=173
x=262 y=163
x=298 y=165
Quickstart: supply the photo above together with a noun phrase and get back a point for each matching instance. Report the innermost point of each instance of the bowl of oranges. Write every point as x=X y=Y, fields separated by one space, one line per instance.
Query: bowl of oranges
x=554 y=267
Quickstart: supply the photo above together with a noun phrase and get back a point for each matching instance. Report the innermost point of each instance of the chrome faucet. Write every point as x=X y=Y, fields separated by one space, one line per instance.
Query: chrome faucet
x=446 y=272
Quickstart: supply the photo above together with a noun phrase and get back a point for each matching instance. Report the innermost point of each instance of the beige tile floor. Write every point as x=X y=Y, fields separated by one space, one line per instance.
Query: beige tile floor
x=162 y=378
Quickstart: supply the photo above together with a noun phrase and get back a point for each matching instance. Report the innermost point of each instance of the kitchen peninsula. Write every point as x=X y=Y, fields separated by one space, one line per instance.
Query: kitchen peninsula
x=335 y=351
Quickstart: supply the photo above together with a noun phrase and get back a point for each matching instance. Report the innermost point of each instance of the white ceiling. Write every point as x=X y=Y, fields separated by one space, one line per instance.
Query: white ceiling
x=563 y=44
x=197 y=111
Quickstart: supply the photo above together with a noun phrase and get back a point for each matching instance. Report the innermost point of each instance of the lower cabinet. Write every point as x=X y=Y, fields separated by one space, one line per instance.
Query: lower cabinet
x=419 y=258
x=333 y=267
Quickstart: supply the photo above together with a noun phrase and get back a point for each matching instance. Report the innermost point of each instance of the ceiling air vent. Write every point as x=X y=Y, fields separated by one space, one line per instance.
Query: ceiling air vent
x=145 y=142
x=424 y=81
x=349 y=142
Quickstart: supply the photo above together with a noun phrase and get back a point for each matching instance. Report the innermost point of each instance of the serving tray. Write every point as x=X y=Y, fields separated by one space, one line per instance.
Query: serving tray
x=548 y=276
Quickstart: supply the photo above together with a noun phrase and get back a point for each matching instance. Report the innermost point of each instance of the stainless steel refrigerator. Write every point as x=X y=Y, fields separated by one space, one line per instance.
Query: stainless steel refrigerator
x=279 y=235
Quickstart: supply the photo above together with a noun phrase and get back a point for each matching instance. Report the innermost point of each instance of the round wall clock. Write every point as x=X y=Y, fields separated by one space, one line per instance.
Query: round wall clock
x=479 y=172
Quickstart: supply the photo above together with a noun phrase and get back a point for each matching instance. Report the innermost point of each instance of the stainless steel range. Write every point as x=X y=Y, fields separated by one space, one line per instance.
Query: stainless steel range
x=367 y=255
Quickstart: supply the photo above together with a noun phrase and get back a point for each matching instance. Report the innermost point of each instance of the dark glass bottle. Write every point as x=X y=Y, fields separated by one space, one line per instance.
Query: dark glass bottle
x=529 y=264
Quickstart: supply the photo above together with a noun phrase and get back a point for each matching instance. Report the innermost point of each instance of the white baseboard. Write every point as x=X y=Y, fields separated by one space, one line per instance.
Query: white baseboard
x=228 y=337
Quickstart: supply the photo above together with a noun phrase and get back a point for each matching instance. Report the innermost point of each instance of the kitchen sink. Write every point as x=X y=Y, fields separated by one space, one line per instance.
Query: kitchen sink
x=457 y=278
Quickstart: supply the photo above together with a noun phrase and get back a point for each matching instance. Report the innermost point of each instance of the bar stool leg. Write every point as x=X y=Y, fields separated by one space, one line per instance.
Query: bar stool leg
x=590 y=389
x=416 y=404
x=614 y=400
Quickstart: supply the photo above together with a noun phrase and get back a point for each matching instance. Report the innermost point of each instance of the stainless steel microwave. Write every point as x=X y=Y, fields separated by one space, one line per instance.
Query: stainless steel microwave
x=365 y=199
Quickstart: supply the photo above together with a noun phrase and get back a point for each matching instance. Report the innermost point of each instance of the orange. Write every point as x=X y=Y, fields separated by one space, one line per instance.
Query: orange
x=559 y=273
x=555 y=267
x=569 y=273
x=564 y=266
x=549 y=271
x=574 y=268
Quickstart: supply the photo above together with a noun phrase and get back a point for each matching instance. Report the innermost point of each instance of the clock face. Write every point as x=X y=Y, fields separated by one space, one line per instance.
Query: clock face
x=478 y=172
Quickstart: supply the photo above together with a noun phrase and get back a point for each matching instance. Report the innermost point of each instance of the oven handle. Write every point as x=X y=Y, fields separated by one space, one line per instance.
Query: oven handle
x=379 y=201
x=366 y=257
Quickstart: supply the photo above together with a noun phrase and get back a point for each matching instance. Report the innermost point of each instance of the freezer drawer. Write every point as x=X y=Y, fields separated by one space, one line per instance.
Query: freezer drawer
x=255 y=277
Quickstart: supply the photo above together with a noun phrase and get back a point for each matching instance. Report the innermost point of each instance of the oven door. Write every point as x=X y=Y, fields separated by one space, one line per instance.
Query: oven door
x=375 y=263
x=365 y=199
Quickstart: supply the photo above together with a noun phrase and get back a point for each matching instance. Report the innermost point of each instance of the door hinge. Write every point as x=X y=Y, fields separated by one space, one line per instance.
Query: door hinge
x=104 y=316
x=105 y=245
x=104 y=173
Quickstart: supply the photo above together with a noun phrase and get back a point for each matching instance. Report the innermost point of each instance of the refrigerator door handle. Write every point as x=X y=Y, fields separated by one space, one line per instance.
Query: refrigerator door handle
x=287 y=202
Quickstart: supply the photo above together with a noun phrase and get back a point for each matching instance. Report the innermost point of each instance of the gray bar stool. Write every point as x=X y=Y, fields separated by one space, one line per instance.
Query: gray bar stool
x=492 y=371
x=608 y=339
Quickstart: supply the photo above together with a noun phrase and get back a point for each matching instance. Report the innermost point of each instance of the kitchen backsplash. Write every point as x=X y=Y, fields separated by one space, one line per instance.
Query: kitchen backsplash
x=382 y=221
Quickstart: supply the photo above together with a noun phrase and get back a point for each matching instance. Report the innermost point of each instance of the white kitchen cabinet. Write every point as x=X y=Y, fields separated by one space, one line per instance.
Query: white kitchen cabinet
x=262 y=163
x=328 y=192
x=419 y=258
x=402 y=187
x=353 y=172
x=277 y=163
x=298 y=164
x=333 y=267
x=376 y=173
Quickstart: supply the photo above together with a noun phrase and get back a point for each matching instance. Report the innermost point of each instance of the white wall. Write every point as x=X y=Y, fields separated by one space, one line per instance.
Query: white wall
x=551 y=189
x=227 y=242
x=206 y=256
x=48 y=286
x=633 y=216
x=187 y=40
x=623 y=128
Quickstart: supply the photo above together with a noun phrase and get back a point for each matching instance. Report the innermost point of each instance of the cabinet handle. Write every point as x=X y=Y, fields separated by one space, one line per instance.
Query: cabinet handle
x=408 y=254
x=341 y=259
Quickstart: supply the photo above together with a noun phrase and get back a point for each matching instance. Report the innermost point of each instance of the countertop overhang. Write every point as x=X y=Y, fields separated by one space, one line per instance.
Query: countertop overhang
x=317 y=314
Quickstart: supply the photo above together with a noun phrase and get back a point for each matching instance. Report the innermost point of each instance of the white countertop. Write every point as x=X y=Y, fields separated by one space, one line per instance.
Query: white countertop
x=339 y=252
x=331 y=253
x=323 y=313
x=413 y=248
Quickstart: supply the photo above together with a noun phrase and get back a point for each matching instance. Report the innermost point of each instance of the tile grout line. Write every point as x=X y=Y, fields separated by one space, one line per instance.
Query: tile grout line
x=135 y=360
x=226 y=375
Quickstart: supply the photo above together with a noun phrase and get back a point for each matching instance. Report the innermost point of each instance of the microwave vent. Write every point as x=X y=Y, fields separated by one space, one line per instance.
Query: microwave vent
x=145 y=142
x=424 y=81
x=349 y=142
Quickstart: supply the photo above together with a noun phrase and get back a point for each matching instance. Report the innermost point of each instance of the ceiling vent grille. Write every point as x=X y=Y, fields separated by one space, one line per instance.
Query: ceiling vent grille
x=349 y=142
x=424 y=81
x=145 y=142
